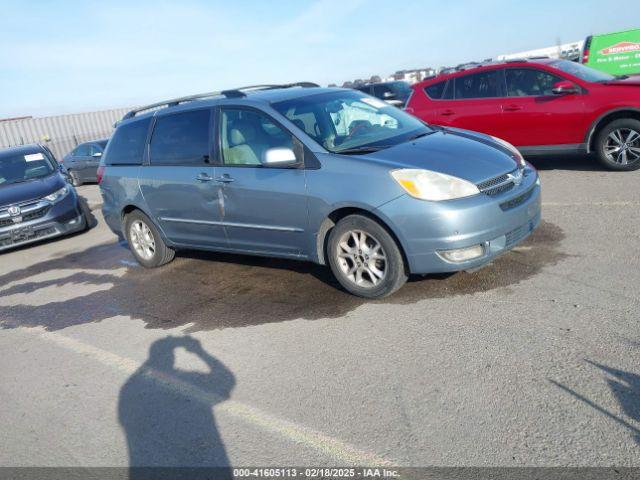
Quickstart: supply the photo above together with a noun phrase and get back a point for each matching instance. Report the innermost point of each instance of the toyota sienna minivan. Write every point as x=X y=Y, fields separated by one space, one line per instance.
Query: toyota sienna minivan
x=328 y=175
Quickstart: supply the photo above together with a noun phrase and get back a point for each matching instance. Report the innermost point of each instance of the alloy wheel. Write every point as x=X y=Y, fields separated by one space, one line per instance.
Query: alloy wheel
x=361 y=258
x=622 y=146
x=142 y=239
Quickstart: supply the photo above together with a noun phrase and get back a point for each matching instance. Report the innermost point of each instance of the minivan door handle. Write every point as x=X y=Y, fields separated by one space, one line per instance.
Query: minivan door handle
x=447 y=112
x=204 y=177
x=226 y=178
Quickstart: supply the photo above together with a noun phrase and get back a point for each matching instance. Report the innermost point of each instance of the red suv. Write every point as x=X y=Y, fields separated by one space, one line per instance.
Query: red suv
x=541 y=106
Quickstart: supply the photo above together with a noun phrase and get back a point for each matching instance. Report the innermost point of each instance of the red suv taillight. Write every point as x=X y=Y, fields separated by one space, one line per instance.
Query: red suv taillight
x=100 y=173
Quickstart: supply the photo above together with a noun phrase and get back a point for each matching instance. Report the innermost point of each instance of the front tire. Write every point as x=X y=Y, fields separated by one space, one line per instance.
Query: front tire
x=145 y=241
x=617 y=145
x=365 y=258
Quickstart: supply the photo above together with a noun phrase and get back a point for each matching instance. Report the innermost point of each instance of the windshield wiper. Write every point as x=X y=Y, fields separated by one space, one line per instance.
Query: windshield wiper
x=420 y=135
x=621 y=77
x=361 y=150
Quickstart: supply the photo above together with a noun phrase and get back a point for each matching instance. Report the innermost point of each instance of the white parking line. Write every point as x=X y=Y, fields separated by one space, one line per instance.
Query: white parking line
x=294 y=432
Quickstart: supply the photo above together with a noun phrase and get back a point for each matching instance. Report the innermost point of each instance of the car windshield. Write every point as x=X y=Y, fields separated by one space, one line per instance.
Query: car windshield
x=350 y=121
x=20 y=168
x=583 y=72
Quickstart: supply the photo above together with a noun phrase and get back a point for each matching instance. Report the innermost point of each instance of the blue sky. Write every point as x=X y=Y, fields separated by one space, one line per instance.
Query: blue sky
x=65 y=56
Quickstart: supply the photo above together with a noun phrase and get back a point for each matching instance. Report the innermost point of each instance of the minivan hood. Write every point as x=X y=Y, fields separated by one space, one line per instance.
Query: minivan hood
x=469 y=155
x=31 y=189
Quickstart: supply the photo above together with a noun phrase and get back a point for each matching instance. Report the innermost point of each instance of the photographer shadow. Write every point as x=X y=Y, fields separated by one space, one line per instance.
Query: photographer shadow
x=166 y=414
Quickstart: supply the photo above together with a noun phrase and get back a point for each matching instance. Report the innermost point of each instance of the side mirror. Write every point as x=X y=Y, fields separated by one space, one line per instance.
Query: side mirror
x=564 y=88
x=279 y=158
x=97 y=155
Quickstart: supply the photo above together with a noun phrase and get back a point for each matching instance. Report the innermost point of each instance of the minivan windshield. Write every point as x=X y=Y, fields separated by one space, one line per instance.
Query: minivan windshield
x=21 y=168
x=350 y=121
x=583 y=72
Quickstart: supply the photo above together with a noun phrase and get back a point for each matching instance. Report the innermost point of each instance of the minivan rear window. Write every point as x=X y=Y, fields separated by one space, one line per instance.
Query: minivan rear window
x=128 y=142
x=181 y=138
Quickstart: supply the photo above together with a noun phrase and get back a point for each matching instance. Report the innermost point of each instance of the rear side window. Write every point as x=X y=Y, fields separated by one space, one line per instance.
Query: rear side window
x=436 y=90
x=181 y=139
x=478 y=85
x=128 y=142
x=528 y=82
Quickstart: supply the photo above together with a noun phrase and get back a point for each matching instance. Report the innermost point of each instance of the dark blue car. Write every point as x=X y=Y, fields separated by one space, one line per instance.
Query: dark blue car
x=82 y=162
x=36 y=198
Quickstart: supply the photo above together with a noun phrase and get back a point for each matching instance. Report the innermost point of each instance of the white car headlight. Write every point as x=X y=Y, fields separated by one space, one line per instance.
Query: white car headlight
x=57 y=195
x=512 y=149
x=434 y=186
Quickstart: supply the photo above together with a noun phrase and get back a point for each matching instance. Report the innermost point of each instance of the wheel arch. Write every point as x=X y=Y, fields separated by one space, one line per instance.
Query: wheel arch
x=338 y=214
x=131 y=207
x=606 y=118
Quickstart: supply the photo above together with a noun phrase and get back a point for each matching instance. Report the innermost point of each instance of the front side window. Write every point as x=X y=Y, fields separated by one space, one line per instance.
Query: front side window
x=95 y=149
x=348 y=120
x=20 y=168
x=529 y=82
x=181 y=139
x=246 y=135
x=128 y=142
x=82 y=151
x=478 y=85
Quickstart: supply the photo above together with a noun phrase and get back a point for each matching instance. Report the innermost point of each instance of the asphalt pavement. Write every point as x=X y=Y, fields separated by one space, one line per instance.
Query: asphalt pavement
x=225 y=359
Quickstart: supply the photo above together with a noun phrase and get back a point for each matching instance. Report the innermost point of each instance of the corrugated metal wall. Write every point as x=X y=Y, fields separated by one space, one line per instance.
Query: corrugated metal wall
x=60 y=133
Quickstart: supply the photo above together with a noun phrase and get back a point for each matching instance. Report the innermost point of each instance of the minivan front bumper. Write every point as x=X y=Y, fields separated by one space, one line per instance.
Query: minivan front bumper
x=428 y=230
x=41 y=220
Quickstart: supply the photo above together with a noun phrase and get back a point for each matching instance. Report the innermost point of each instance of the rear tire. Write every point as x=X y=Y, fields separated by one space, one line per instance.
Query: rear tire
x=365 y=258
x=145 y=241
x=617 y=145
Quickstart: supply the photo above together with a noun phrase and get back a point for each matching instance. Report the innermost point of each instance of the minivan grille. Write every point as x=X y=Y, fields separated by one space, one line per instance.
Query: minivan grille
x=500 y=184
x=519 y=200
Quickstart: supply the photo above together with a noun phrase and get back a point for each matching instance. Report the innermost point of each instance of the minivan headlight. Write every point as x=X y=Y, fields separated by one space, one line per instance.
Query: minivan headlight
x=434 y=186
x=57 y=195
x=512 y=149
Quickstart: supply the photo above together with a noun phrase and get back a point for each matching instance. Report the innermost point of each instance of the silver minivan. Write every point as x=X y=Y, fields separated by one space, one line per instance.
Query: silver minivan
x=327 y=175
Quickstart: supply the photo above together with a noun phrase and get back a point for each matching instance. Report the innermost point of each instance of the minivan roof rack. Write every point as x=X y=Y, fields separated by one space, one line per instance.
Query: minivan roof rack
x=232 y=93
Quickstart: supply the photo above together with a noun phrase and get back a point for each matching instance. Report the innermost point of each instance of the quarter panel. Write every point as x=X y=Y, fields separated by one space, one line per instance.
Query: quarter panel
x=119 y=189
